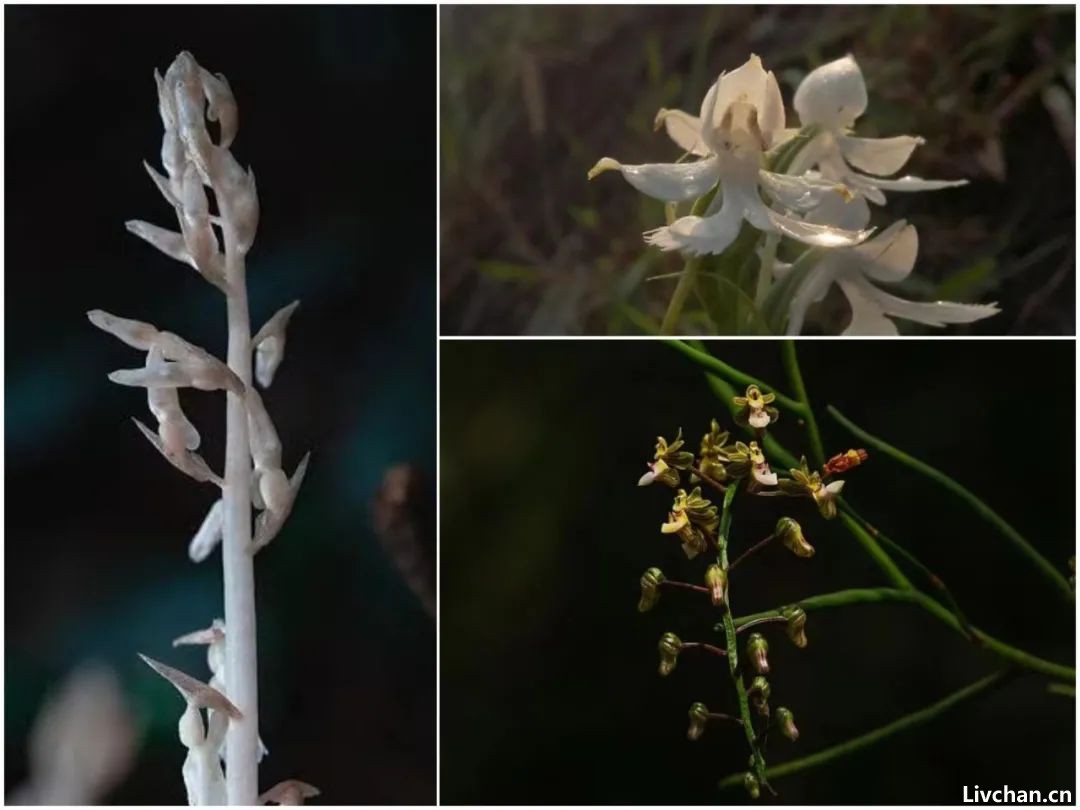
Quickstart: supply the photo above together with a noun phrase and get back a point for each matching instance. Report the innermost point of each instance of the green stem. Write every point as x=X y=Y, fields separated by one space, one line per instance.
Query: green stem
x=678 y=298
x=877 y=553
x=856 y=596
x=870 y=738
x=791 y=365
x=716 y=366
x=689 y=274
x=1045 y=566
x=1063 y=689
x=732 y=639
x=932 y=579
x=765 y=274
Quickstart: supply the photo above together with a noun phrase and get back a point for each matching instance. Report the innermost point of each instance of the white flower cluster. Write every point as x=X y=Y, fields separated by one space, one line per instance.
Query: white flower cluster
x=188 y=97
x=818 y=198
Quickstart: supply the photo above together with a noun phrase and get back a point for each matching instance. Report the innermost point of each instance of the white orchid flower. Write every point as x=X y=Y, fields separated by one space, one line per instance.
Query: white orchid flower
x=176 y=431
x=209 y=535
x=887 y=258
x=188 y=462
x=742 y=116
x=832 y=97
x=289 y=792
x=269 y=522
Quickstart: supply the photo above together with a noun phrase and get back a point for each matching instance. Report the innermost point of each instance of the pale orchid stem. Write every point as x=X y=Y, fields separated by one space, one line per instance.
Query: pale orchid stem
x=241 y=662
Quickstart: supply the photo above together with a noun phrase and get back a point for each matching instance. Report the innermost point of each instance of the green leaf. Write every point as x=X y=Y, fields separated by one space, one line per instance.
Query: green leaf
x=777 y=303
x=508 y=271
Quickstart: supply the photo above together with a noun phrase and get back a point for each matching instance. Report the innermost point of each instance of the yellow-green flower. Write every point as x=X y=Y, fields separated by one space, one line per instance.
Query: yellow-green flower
x=694 y=519
x=803 y=482
x=755 y=409
x=714 y=452
x=749 y=460
x=668 y=460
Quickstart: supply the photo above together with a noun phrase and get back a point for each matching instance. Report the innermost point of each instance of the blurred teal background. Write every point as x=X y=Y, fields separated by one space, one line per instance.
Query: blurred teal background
x=97 y=523
x=533 y=96
x=549 y=685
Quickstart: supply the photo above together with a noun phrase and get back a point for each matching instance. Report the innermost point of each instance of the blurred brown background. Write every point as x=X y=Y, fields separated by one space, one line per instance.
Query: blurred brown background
x=533 y=96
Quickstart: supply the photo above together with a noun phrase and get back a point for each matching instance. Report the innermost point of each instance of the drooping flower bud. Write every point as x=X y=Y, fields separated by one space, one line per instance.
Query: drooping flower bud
x=786 y=722
x=289 y=792
x=650 y=589
x=717 y=581
x=791 y=535
x=269 y=343
x=753 y=787
x=842 y=462
x=757 y=650
x=796 y=624
x=759 y=692
x=699 y=718
x=669 y=652
x=269 y=522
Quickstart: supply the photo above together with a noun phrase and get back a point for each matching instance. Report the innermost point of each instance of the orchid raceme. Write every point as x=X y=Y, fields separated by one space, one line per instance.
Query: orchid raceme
x=758 y=190
x=224 y=751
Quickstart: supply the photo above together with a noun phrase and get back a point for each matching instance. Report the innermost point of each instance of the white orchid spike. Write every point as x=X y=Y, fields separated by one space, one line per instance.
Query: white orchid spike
x=887 y=258
x=269 y=522
x=832 y=97
x=269 y=343
x=187 y=462
x=289 y=792
x=742 y=116
x=209 y=535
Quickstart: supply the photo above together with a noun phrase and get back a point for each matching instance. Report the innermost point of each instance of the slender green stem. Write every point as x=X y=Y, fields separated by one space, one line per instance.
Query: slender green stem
x=1063 y=689
x=877 y=553
x=866 y=740
x=856 y=596
x=791 y=365
x=732 y=640
x=1048 y=569
x=765 y=273
x=716 y=366
x=687 y=280
x=932 y=579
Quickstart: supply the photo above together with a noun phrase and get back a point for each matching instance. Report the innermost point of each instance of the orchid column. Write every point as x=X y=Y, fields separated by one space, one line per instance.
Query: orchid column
x=188 y=97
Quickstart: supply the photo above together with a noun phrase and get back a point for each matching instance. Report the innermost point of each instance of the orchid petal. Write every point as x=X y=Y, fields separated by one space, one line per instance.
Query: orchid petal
x=908 y=183
x=208 y=536
x=765 y=219
x=833 y=95
x=867 y=316
x=771 y=113
x=798 y=193
x=937 y=313
x=698 y=235
x=747 y=83
x=670 y=182
x=168 y=242
x=684 y=129
x=878 y=155
x=889 y=256
x=850 y=213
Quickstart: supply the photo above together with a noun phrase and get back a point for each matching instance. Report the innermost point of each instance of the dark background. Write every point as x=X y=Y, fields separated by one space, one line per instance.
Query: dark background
x=533 y=96
x=550 y=692
x=336 y=119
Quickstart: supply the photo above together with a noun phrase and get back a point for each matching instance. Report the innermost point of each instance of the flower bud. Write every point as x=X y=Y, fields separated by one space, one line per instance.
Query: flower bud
x=757 y=650
x=786 y=721
x=669 y=652
x=750 y=782
x=716 y=580
x=759 y=692
x=699 y=717
x=791 y=535
x=650 y=589
x=796 y=624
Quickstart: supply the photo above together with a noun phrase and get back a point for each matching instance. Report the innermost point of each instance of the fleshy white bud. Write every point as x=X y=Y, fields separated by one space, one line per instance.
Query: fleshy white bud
x=269 y=343
x=699 y=718
x=757 y=650
x=791 y=535
x=669 y=646
x=650 y=589
x=717 y=581
x=786 y=722
x=796 y=624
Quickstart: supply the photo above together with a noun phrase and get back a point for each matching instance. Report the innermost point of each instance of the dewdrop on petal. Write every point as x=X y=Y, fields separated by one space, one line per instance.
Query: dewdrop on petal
x=269 y=343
